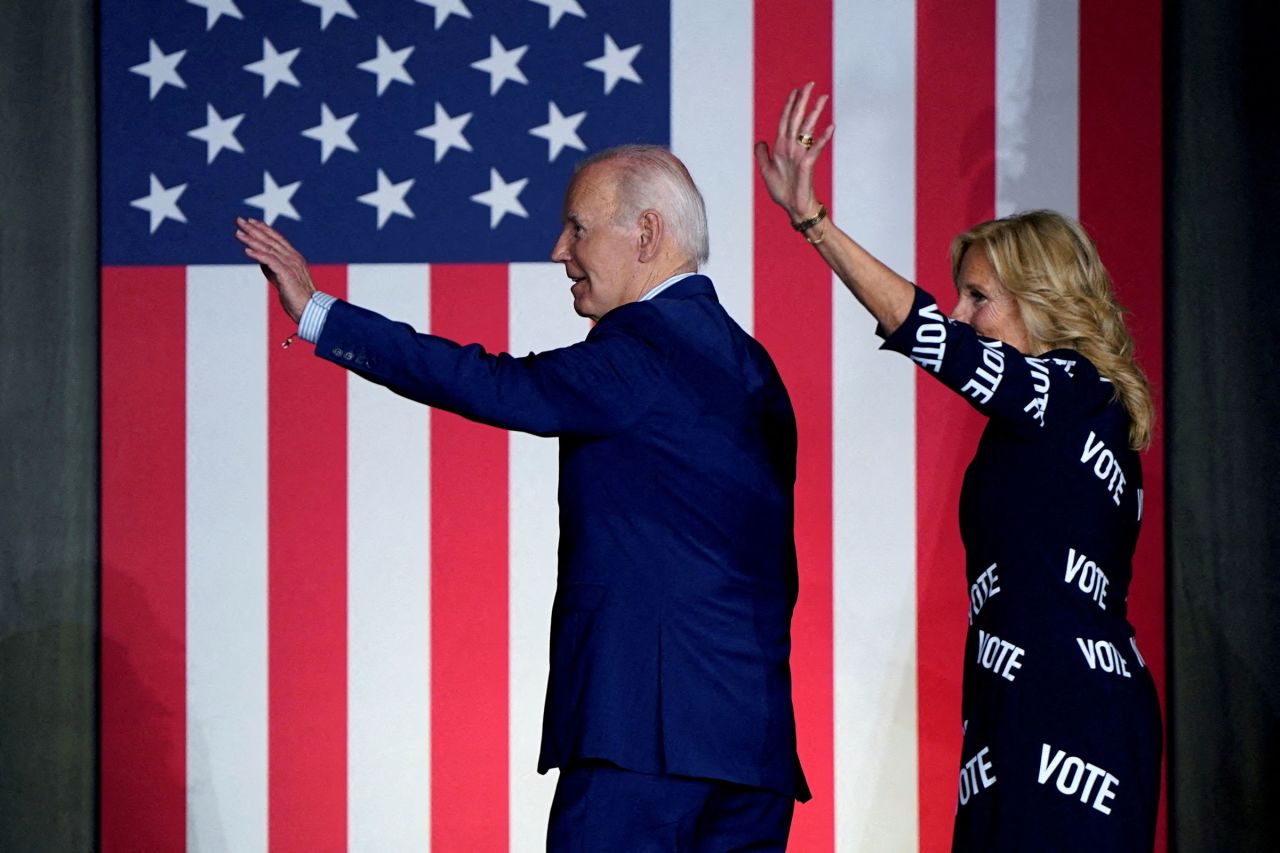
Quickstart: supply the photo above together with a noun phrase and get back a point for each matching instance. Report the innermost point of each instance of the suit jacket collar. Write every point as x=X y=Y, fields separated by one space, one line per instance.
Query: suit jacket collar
x=695 y=285
x=687 y=288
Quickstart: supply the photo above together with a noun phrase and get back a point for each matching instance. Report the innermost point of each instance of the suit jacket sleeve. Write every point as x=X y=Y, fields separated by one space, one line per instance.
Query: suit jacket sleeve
x=598 y=387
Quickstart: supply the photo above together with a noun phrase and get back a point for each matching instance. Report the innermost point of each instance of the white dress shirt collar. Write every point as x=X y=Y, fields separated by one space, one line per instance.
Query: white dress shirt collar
x=673 y=280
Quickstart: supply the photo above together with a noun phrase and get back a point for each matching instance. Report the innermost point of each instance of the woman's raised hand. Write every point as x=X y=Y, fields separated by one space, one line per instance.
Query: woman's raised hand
x=788 y=169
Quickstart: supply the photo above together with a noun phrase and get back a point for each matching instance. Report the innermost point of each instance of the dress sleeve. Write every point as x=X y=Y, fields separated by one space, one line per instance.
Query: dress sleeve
x=995 y=378
x=597 y=387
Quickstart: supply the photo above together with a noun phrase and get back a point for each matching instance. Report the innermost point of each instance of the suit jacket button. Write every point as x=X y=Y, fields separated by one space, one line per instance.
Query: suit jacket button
x=337 y=351
x=347 y=356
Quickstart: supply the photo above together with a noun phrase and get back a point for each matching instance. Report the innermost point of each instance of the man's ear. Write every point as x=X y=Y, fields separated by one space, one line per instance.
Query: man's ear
x=651 y=233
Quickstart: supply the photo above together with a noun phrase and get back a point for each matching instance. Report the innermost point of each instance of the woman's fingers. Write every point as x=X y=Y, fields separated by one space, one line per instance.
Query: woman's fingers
x=797 y=120
x=811 y=121
x=798 y=111
x=787 y=167
x=784 y=117
x=763 y=160
x=822 y=141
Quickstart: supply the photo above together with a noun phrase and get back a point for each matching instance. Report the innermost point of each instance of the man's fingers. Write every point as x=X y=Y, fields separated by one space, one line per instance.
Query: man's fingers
x=251 y=243
x=281 y=264
x=266 y=255
x=265 y=234
x=271 y=238
x=265 y=262
x=262 y=254
x=252 y=237
x=277 y=257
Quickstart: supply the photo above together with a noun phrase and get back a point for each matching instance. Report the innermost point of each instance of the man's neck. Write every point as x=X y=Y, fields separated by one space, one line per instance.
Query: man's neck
x=657 y=281
x=673 y=280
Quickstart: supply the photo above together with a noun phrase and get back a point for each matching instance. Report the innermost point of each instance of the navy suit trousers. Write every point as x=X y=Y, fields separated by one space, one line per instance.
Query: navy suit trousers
x=601 y=808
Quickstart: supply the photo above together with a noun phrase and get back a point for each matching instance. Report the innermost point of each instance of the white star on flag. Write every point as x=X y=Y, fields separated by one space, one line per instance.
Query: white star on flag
x=501 y=65
x=445 y=8
x=273 y=67
x=274 y=200
x=501 y=198
x=215 y=9
x=615 y=65
x=388 y=65
x=161 y=203
x=332 y=133
x=388 y=198
x=218 y=133
x=329 y=8
x=556 y=9
x=560 y=131
x=446 y=132
x=161 y=68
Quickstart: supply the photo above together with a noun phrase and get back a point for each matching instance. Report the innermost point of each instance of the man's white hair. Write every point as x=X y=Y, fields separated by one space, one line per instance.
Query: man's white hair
x=652 y=178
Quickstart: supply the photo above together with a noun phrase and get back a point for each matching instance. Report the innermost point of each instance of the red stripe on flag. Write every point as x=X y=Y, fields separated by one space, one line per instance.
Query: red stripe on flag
x=469 y=557
x=793 y=320
x=955 y=188
x=1121 y=204
x=307 y=588
x=144 y=707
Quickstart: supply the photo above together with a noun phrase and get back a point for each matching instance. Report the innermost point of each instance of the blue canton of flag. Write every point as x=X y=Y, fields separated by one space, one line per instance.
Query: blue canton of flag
x=441 y=131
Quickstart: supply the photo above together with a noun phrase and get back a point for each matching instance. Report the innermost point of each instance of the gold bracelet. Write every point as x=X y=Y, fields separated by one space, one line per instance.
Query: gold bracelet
x=812 y=220
x=821 y=237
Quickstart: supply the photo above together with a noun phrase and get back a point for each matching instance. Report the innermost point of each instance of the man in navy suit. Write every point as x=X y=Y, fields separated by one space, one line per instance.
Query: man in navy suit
x=668 y=705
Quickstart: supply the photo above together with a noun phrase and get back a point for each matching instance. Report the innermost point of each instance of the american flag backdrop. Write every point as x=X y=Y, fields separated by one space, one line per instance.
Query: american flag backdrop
x=325 y=610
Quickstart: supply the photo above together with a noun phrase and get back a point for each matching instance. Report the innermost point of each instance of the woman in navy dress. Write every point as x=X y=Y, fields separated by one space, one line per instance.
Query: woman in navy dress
x=1062 y=732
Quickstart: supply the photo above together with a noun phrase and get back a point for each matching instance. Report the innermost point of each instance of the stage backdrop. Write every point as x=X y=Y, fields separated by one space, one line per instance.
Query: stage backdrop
x=324 y=609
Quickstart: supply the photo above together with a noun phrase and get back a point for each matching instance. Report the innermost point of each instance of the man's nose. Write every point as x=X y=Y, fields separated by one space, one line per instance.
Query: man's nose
x=560 y=251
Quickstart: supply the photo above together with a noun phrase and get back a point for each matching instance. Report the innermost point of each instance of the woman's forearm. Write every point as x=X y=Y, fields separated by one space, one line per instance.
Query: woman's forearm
x=887 y=295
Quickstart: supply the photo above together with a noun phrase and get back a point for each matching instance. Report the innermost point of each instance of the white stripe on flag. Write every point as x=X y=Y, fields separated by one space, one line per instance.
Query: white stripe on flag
x=711 y=114
x=1037 y=105
x=541 y=318
x=874 y=439
x=388 y=588
x=226 y=572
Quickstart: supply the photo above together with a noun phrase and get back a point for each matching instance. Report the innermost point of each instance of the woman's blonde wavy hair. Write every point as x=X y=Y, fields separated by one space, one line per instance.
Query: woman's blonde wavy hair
x=1052 y=269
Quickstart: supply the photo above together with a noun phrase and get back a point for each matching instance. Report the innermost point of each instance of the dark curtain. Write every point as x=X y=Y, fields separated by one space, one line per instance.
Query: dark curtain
x=1222 y=251
x=48 y=425
x=1221 y=413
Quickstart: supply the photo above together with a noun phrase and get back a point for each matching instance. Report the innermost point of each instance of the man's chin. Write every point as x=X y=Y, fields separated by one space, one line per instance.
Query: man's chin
x=580 y=309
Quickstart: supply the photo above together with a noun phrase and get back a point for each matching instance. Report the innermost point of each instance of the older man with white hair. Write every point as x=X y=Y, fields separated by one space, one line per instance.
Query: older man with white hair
x=668 y=708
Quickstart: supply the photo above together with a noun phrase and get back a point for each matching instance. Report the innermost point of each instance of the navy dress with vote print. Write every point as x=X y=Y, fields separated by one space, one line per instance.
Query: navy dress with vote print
x=1062 y=733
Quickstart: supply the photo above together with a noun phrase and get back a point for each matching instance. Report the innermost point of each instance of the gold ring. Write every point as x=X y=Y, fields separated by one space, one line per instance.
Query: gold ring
x=805 y=139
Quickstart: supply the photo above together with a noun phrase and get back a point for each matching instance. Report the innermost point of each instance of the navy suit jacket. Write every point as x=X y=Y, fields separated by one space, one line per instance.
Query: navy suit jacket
x=670 y=633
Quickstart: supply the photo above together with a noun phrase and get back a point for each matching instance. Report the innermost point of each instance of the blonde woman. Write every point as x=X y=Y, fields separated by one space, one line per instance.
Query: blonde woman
x=1062 y=726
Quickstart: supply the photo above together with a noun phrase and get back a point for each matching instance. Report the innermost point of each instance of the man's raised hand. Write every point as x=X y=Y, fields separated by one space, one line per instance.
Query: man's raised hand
x=282 y=264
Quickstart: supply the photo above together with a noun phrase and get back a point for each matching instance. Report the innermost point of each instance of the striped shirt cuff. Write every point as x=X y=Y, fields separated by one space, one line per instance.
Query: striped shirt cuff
x=311 y=323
